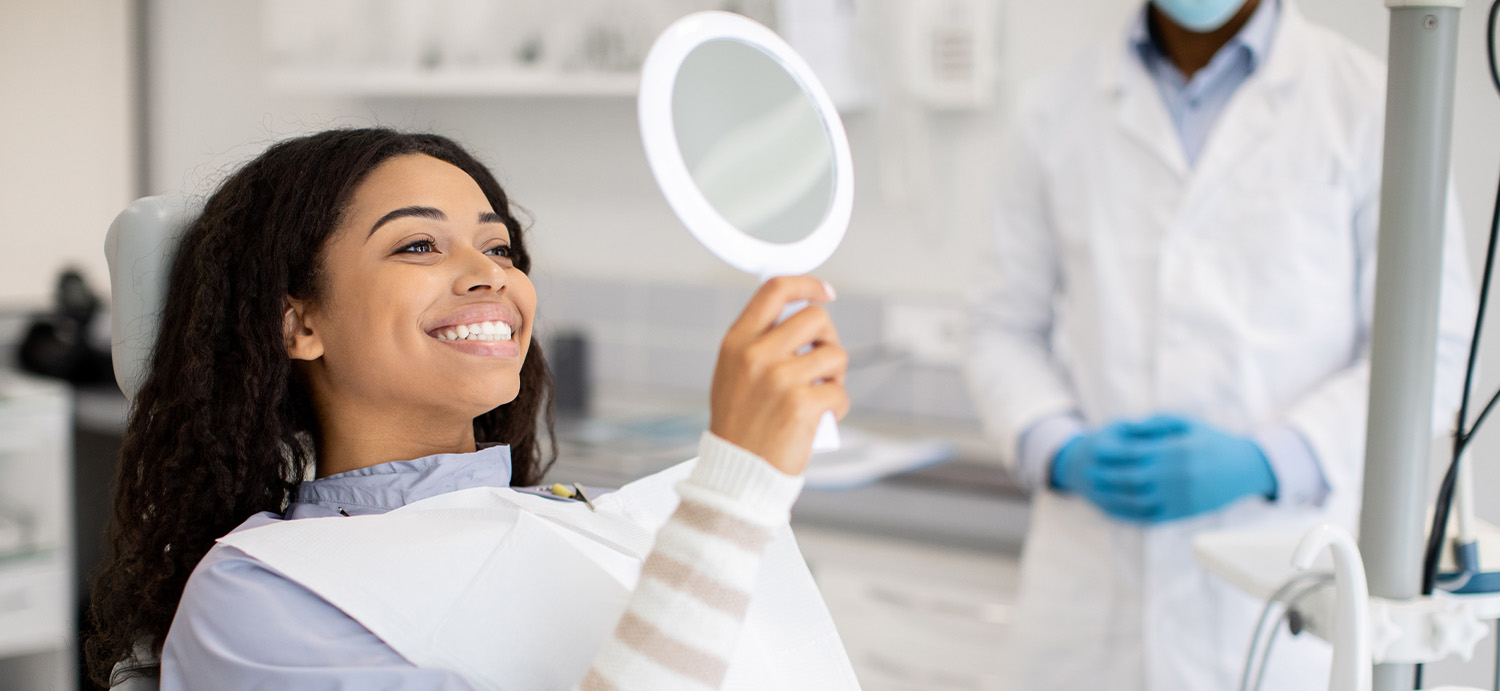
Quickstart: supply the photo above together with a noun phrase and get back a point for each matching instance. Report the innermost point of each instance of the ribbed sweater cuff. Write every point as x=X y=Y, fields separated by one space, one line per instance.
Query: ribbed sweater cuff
x=742 y=481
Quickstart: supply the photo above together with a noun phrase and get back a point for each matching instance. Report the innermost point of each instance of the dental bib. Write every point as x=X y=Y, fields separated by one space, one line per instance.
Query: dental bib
x=518 y=592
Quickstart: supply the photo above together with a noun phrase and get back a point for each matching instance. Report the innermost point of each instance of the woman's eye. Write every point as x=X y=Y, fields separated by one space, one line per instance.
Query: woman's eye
x=500 y=251
x=418 y=247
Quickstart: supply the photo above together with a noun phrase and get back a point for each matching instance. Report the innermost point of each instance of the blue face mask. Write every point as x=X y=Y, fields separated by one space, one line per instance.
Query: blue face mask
x=1201 y=16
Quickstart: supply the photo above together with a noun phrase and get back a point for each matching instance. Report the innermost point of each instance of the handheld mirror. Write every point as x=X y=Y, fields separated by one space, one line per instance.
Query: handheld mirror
x=747 y=148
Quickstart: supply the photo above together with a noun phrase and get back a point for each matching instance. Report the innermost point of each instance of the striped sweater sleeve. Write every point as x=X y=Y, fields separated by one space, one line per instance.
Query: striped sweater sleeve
x=683 y=621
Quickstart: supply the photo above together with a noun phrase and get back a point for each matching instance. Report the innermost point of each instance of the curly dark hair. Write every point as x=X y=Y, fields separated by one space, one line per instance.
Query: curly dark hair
x=221 y=428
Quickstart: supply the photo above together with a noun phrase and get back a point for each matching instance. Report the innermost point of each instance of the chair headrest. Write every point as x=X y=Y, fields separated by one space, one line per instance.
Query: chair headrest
x=139 y=247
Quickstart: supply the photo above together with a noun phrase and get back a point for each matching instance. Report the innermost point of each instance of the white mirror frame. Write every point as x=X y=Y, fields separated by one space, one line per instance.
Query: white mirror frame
x=659 y=136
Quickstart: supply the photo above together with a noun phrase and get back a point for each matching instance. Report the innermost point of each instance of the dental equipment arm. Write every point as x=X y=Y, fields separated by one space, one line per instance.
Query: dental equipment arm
x=1351 y=640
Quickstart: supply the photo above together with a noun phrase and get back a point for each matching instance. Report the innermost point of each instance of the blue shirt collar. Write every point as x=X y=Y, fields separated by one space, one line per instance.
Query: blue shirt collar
x=386 y=486
x=1254 y=38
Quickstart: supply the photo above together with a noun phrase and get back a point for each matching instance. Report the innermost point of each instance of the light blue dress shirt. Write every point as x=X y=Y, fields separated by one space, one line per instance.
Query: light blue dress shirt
x=1195 y=106
x=242 y=625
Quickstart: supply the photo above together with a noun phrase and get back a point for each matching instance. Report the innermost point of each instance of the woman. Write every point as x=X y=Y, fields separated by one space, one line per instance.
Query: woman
x=356 y=303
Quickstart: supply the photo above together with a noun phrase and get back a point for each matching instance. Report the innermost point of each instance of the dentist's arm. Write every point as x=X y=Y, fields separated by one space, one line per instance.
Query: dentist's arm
x=1022 y=395
x=1331 y=418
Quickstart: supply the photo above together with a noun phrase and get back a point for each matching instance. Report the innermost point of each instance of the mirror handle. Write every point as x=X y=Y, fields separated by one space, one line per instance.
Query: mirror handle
x=827 y=437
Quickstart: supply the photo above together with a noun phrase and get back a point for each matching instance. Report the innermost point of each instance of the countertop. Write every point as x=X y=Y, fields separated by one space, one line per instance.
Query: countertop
x=968 y=502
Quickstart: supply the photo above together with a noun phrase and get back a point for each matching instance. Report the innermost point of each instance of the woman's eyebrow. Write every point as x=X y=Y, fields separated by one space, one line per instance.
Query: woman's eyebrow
x=417 y=211
x=490 y=217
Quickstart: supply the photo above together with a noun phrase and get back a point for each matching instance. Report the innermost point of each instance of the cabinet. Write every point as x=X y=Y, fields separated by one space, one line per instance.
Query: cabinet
x=914 y=617
x=37 y=637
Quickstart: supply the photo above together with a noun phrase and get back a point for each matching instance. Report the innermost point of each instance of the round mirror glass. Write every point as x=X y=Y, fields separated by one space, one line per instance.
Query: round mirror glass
x=753 y=141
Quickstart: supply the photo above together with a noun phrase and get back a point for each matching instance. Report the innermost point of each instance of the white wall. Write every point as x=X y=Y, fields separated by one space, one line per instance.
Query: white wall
x=65 y=139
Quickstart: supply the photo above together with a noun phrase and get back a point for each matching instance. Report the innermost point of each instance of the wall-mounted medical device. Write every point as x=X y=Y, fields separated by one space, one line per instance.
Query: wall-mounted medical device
x=951 y=47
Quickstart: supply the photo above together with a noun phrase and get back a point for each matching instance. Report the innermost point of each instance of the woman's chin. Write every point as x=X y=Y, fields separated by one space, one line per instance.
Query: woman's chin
x=492 y=403
x=472 y=400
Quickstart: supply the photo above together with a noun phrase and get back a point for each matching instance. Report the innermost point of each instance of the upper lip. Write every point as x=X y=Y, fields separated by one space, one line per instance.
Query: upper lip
x=479 y=312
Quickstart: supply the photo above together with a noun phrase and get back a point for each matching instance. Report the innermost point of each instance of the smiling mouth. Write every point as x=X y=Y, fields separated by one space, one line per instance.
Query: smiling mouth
x=480 y=331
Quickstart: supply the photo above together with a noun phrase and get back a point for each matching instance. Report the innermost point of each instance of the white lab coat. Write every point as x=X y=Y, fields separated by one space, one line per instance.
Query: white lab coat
x=1124 y=282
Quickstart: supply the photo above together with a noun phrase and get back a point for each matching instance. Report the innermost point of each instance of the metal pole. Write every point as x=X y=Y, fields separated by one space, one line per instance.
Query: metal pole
x=1414 y=187
x=141 y=33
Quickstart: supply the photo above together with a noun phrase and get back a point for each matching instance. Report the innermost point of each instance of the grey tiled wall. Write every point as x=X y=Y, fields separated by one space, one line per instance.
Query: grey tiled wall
x=661 y=336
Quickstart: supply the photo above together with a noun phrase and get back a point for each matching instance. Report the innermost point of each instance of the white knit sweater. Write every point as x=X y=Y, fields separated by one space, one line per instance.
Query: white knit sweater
x=685 y=616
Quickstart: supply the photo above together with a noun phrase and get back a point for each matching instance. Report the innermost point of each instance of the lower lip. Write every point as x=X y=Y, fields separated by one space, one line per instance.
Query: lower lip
x=496 y=349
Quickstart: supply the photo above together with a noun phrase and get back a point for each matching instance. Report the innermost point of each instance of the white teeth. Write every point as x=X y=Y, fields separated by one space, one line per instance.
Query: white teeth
x=481 y=331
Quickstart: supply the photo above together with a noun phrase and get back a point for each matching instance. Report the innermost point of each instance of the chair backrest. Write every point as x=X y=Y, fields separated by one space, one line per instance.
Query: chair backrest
x=140 y=246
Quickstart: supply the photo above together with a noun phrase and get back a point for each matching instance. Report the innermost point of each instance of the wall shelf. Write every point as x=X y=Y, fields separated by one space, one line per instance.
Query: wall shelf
x=515 y=83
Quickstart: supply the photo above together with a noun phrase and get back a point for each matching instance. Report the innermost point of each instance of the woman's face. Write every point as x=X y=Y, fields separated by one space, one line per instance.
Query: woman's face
x=422 y=308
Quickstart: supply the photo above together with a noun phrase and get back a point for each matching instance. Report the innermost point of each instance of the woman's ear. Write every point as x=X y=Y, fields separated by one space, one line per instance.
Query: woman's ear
x=302 y=341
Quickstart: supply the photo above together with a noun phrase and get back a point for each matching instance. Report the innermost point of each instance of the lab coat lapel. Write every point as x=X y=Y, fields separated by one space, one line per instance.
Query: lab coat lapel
x=1139 y=111
x=1253 y=112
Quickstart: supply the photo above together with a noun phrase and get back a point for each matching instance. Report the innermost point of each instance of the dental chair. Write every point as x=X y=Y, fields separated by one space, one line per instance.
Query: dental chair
x=139 y=247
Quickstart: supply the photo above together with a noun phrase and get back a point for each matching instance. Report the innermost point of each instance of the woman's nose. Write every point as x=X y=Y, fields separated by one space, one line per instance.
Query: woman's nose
x=479 y=272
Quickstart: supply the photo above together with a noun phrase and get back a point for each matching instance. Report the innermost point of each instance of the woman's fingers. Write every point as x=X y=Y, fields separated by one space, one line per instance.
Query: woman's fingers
x=812 y=325
x=765 y=307
x=774 y=381
x=831 y=396
x=825 y=363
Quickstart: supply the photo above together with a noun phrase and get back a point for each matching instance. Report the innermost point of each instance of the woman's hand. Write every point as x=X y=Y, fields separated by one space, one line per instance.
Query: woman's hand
x=767 y=397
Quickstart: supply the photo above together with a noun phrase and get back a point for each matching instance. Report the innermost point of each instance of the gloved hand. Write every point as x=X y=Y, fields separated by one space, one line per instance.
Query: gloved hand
x=1175 y=467
x=1075 y=465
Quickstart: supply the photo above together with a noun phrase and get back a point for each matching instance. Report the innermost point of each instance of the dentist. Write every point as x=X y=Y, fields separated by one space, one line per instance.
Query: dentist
x=1175 y=334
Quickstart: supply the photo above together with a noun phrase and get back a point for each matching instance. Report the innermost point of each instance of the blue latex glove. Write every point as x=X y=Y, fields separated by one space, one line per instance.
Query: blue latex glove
x=1077 y=462
x=1176 y=467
